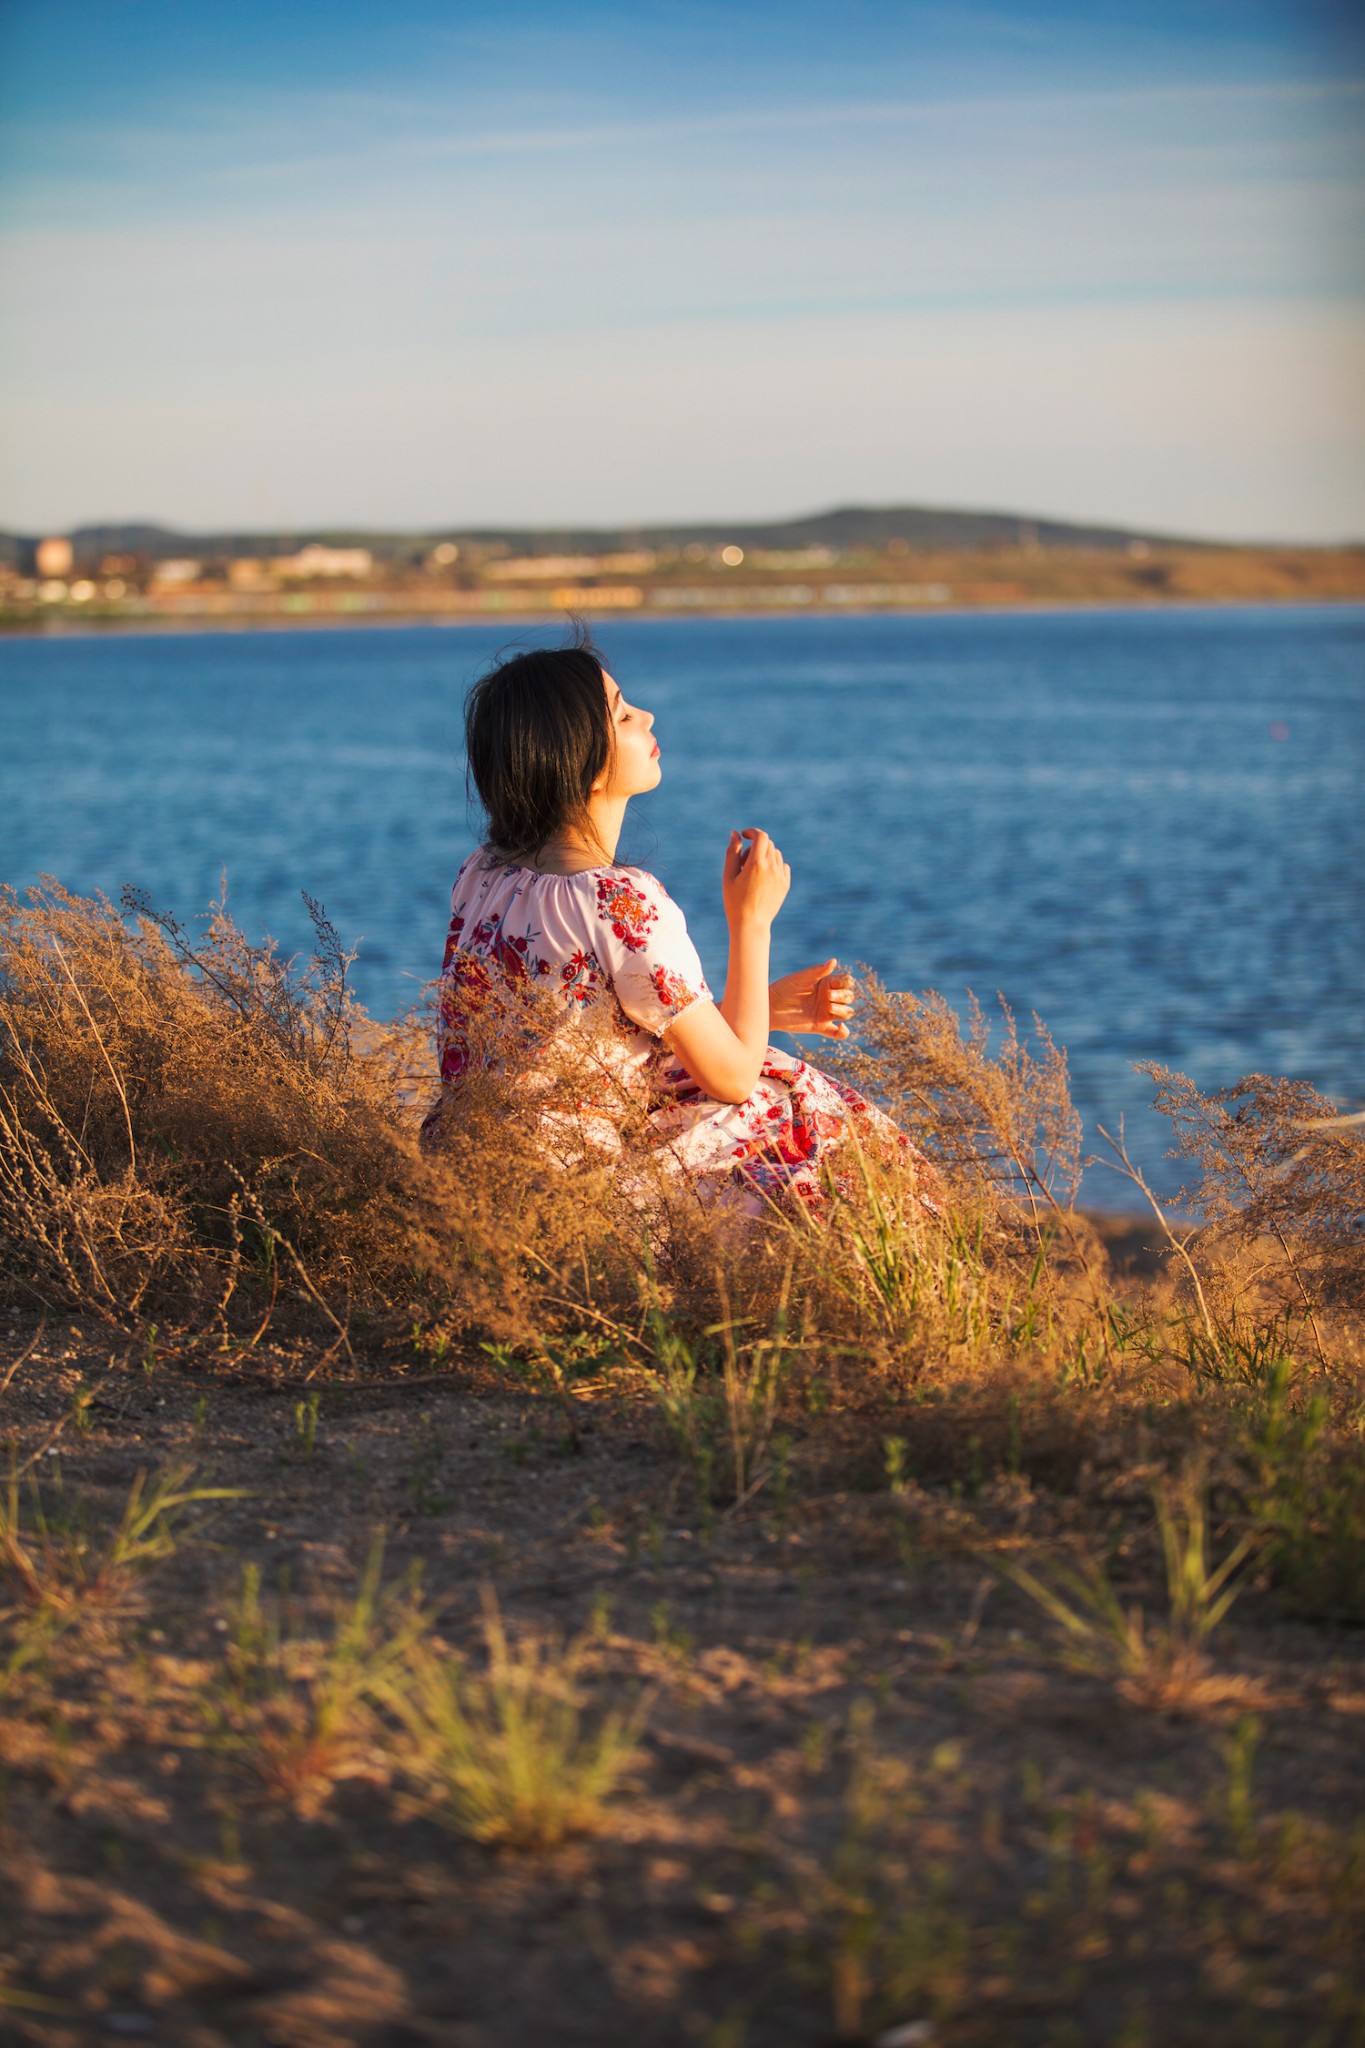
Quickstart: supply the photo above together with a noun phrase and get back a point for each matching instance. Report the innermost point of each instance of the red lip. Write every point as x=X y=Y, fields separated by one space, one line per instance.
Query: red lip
x=656 y=750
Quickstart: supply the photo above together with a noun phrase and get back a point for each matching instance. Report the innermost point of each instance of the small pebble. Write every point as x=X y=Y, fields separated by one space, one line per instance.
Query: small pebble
x=910 y=2034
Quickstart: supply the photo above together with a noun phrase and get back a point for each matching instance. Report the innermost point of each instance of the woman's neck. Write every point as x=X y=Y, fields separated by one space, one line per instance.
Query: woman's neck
x=592 y=844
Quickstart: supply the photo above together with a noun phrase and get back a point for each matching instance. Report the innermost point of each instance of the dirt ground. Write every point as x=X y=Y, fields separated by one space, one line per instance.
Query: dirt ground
x=868 y=1794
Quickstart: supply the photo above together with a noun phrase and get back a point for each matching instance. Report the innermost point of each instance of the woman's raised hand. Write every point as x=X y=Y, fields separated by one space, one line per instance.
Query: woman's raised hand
x=819 y=999
x=756 y=879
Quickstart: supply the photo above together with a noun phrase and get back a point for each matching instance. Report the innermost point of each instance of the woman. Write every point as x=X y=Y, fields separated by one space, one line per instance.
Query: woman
x=543 y=909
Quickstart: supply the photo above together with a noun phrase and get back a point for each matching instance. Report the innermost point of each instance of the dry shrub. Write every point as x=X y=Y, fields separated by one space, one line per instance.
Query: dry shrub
x=998 y=1124
x=1278 y=1172
x=1007 y=1257
x=172 y=1108
x=570 y=1224
x=185 y=1116
x=192 y=1125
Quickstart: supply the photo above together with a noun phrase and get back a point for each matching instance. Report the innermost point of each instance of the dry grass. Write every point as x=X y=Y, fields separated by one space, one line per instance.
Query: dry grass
x=192 y=1127
x=190 y=1130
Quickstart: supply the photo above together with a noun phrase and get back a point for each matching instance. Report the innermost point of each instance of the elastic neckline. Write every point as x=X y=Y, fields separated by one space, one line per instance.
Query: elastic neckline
x=519 y=867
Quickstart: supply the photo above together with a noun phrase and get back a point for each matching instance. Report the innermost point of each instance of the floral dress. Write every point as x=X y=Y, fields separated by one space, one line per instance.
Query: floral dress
x=610 y=944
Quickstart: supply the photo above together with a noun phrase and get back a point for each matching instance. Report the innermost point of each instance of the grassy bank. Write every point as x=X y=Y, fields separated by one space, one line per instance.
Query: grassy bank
x=446 y=1600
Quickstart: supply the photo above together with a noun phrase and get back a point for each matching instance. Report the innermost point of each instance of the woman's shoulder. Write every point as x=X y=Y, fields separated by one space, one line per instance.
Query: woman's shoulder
x=621 y=880
x=472 y=869
x=635 y=906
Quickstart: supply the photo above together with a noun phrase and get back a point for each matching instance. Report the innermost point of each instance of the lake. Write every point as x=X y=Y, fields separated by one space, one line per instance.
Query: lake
x=1147 y=826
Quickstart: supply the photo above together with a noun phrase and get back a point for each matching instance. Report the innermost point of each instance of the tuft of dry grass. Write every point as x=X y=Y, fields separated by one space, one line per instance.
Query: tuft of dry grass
x=54 y=1557
x=179 y=1115
x=996 y=1120
x=1279 y=1187
x=1155 y=1663
x=194 y=1128
x=509 y=1754
x=298 y=1709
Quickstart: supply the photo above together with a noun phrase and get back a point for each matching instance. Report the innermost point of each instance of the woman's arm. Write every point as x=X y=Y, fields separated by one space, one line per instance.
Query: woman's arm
x=722 y=1045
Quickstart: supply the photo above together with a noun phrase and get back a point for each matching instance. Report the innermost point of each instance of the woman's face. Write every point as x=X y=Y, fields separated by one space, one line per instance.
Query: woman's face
x=634 y=767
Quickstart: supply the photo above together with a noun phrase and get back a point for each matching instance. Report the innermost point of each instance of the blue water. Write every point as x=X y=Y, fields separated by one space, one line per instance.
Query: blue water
x=1146 y=826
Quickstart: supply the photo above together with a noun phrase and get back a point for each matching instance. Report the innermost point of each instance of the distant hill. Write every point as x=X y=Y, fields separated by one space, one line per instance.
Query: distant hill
x=845 y=527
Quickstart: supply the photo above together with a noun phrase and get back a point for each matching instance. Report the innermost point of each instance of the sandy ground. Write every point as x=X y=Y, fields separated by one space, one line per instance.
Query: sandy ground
x=861 y=1764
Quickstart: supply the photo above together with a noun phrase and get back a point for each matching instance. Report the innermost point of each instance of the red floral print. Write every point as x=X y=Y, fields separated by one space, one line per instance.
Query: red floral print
x=629 y=913
x=673 y=992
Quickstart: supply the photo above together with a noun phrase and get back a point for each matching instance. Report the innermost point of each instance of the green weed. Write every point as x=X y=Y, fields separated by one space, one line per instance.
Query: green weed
x=297 y=1707
x=509 y=1754
x=53 y=1556
x=1156 y=1663
x=306 y=1414
x=718 y=1398
x=1306 y=1492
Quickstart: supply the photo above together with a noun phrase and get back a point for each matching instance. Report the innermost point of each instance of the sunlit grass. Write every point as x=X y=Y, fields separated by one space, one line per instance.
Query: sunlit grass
x=512 y=1753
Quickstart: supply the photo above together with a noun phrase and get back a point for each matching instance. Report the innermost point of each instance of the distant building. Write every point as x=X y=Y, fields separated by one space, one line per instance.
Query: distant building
x=247 y=573
x=554 y=568
x=54 y=556
x=318 y=560
x=792 y=558
x=178 y=570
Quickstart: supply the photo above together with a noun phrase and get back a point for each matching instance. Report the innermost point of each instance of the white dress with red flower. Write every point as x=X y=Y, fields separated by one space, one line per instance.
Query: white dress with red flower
x=610 y=943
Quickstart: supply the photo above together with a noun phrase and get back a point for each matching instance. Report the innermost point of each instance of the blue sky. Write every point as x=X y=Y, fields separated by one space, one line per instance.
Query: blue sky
x=432 y=265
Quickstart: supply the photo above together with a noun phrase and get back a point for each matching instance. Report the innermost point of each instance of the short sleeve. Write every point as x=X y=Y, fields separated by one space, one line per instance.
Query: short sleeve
x=642 y=941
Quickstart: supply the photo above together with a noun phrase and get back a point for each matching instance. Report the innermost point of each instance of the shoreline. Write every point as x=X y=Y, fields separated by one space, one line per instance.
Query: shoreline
x=187 y=623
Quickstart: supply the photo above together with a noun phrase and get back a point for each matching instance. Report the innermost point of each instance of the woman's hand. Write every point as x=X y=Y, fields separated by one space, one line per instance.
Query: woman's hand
x=756 y=880
x=814 y=999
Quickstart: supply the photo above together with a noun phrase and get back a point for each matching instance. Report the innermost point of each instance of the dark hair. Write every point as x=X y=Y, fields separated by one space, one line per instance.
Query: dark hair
x=537 y=736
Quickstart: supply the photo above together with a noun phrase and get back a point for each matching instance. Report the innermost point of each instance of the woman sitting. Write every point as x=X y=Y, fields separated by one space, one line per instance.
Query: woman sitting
x=543 y=915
